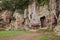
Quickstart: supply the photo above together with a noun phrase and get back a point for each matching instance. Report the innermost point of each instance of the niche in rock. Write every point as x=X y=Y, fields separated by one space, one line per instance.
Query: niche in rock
x=57 y=14
x=1 y=23
x=43 y=21
x=31 y=15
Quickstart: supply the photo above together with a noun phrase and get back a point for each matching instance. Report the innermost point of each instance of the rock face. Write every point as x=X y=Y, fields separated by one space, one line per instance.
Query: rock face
x=57 y=28
x=39 y=16
x=34 y=17
x=5 y=16
x=43 y=16
x=18 y=22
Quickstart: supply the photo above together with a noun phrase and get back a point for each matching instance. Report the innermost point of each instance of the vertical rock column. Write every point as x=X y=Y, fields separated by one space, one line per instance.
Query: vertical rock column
x=52 y=14
x=18 y=21
x=26 y=23
x=33 y=18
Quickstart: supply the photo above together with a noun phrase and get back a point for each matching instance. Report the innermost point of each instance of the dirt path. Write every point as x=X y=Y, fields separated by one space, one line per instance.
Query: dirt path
x=28 y=36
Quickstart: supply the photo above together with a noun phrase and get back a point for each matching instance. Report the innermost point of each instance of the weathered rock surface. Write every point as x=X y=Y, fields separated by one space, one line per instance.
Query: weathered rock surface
x=34 y=17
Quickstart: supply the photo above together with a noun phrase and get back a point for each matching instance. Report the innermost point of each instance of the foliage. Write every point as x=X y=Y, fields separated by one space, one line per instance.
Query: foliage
x=14 y=4
x=18 y=4
x=43 y=2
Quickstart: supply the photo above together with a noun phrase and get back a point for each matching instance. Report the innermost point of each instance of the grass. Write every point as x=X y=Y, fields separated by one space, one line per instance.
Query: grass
x=46 y=35
x=9 y=33
x=43 y=37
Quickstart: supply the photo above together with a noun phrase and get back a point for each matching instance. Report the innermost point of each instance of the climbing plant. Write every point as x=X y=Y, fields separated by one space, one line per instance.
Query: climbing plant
x=43 y=2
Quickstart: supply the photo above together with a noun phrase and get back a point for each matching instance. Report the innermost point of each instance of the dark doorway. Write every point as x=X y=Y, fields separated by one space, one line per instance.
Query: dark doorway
x=43 y=21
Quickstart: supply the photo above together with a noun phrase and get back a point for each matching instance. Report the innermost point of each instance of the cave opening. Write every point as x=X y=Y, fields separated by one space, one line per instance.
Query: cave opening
x=43 y=21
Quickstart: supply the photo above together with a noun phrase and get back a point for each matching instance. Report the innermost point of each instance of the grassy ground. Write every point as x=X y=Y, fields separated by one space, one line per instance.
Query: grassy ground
x=9 y=33
x=47 y=35
x=44 y=35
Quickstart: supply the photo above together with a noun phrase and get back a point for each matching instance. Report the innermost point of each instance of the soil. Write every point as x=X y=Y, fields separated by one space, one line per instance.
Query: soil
x=28 y=36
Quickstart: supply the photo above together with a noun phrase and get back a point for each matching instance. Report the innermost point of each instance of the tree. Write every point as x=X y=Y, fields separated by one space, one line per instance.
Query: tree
x=18 y=4
x=14 y=4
